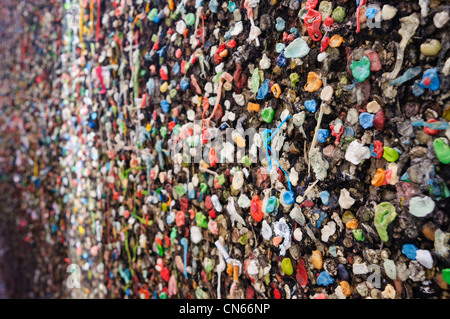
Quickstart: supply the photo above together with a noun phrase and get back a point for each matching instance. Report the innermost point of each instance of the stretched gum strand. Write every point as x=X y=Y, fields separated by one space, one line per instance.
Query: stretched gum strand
x=287 y=175
x=227 y=77
x=195 y=84
x=266 y=142
x=98 y=70
x=268 y=148
x=203 y=169
x=250 y=16
x=81 y=23
x=249 y=9
x=91 y=16
x=203 y=30
x=361 y=3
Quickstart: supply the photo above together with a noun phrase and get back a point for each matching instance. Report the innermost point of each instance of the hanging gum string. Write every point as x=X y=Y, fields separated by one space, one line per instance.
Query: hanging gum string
x=203 y=102
x=205 y=170
x=197 y=18
x=97 y=28
x=220 y=268
x=250 y=16
x=287 y=175
x=361 y=3
x=225 y=76
x=432 y=125
x=171 y=5
x=201 y=59
x=199 y=15
x=203 y=30
x=184 y=243
x=91 y=17
x=181 y=4
x=81 y=24
x=135 y=78
x=205 y=122
x=266 y=144
x=195 y=84
x=316 y=131
x=127 y=249
x=138 y=17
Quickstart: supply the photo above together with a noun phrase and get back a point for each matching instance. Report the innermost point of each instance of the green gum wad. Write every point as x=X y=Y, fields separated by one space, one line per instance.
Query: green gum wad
x=243 y=240
x=246 y=161
x=180 y=190
x=200 y=219
x=384 y=215
x=201 y=294
x=358 y=233
x=442 y=150
x=208 y=264
x=176 y=129
x=390 y=154
x=267 y=114
x=152 y=14
x=173 y=233
x=446 y=275
x=221 y=179
x=286 y=265
x=163 y=131
x=271 y=204
x=294 y=77
x=361 y=69
x=190 y=19
x=173 y=93
x=163 y=295
x=338 y=14
x=256 y=80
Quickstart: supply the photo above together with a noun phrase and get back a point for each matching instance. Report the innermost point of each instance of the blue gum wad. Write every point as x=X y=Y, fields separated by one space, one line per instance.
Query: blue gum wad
x=322 y=135
x=263 y=90
x=325 y=279
x=281 y=60
x=176 y=68
x=288 y=198
x=325 y=197
x=184 y=84
x=165 y=106
x=317 y=222
x=410 y=251
x=433 y=76
x=311 y=105
x=366 y=120
x=384 y=215
x=361 y=69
